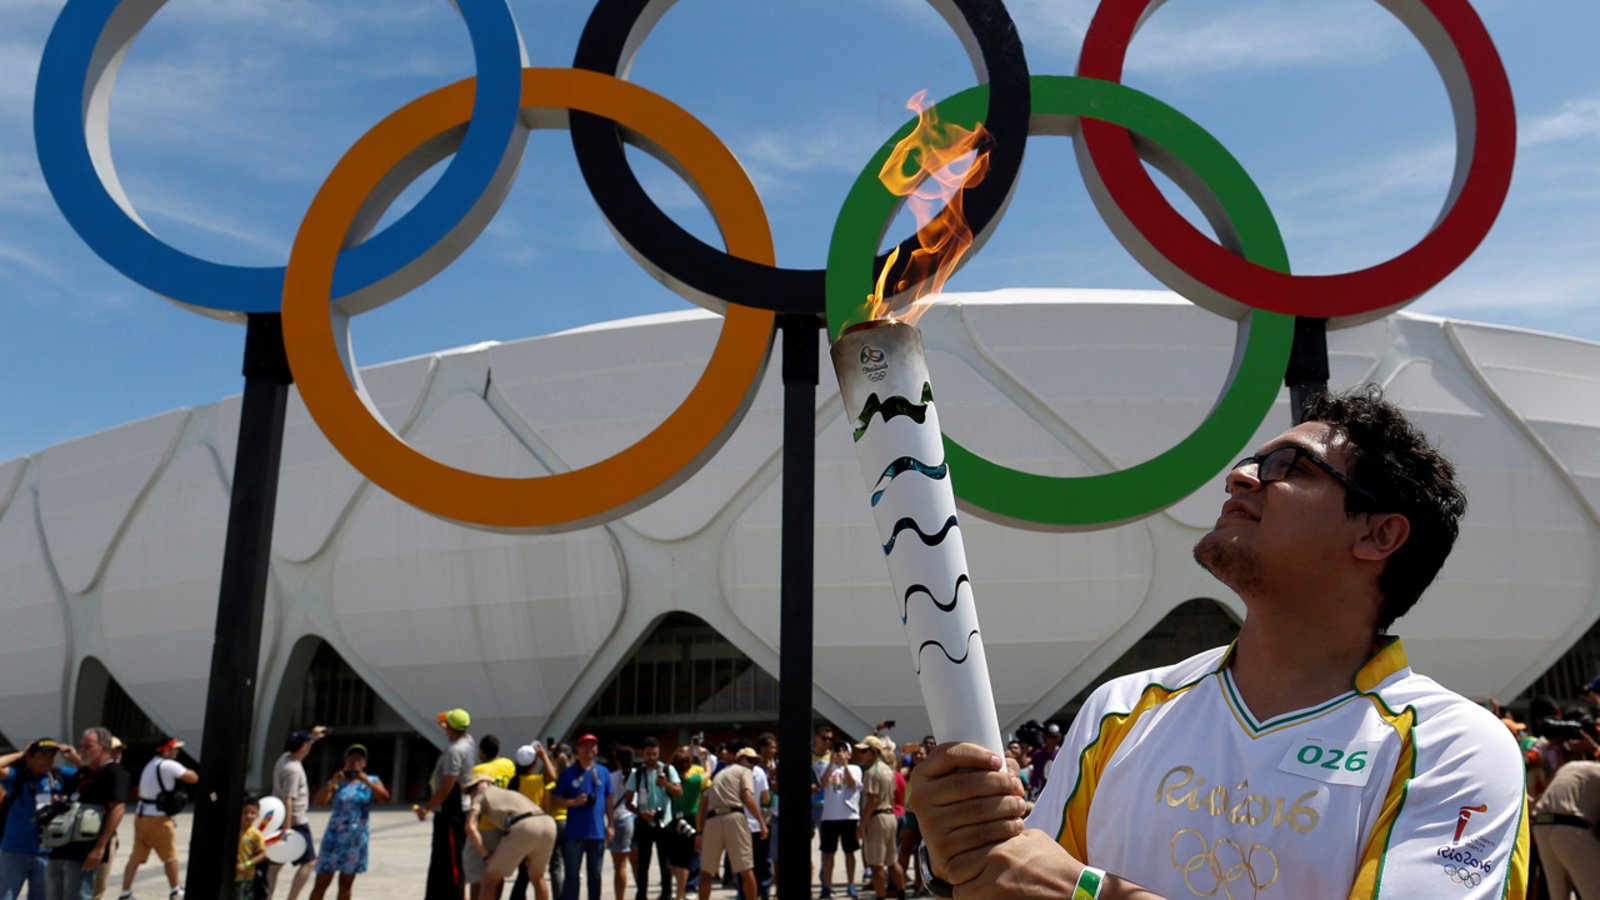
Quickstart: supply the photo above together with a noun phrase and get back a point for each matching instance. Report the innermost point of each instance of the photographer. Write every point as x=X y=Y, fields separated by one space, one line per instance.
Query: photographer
x=352 y=792
x=28 y=787
x=99 y=787
x=648 y=794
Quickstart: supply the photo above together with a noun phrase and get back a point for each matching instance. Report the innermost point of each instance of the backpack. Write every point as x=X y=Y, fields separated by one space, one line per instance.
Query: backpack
x=170 y=801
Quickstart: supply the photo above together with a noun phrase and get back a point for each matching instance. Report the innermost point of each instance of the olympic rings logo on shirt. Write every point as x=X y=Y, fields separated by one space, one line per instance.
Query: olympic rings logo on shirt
x=1206 y=859
x=1463 y=876
x=338 y=268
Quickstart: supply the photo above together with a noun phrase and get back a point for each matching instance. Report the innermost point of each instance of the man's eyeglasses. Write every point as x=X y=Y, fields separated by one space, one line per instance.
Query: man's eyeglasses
x=1275 y=465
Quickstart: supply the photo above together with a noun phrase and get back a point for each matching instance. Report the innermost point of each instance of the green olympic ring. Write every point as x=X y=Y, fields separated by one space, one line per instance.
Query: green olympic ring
x=1219 y=184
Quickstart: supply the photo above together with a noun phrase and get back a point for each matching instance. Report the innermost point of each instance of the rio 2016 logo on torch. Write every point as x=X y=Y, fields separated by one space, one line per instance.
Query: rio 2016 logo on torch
x=338 y=269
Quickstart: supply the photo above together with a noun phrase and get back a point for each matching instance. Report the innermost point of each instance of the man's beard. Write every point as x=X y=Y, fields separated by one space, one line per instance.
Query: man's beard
x=1237 y=567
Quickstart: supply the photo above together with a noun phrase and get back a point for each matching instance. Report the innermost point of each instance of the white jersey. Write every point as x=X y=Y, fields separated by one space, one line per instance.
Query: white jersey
x=1396 y=788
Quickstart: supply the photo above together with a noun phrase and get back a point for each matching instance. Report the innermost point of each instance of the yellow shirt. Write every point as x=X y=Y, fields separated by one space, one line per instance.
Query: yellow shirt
x=499 y=771
x=251 y=844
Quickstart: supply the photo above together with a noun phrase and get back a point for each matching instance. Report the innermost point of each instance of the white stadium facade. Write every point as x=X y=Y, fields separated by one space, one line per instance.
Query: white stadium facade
x=666 y=621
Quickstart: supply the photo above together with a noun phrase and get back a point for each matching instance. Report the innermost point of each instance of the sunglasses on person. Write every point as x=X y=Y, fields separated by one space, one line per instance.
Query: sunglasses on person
x=1275 y=465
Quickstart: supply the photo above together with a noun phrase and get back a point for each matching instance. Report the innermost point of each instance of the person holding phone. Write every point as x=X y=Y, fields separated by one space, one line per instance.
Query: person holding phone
x=352 y=791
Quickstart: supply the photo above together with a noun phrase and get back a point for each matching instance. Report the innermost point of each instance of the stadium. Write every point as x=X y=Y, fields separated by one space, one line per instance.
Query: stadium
x=666 y=621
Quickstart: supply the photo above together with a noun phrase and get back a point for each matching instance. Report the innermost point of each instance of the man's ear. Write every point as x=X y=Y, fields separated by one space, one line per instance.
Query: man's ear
x=1385 y=533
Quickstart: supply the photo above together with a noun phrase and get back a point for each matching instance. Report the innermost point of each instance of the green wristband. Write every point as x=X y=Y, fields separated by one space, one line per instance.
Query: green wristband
x=1089 y=881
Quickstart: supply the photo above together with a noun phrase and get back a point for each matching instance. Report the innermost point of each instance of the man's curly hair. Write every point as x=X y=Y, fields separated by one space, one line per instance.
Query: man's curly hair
x=1408 y=475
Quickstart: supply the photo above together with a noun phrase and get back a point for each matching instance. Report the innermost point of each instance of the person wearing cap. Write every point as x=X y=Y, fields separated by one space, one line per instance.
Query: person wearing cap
x=352 y=790
x=103 y=876
x=841 y=811
x=534 y=776
x=29 y=778
x=527 y=833
x=154 y=830
x=584 y=789
x=1564 y=823
x=875 y=830
x=722 y=823
x=289 y=784
x=449 y=806
x=499 y=770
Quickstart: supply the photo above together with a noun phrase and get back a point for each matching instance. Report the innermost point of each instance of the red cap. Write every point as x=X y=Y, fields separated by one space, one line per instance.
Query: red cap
x=169 y=744
x=588 y=739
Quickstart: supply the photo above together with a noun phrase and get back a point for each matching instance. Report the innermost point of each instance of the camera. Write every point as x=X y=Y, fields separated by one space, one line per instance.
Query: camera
x=351 y=774
x=43 y=816
x=1031 y=733
x=698 y=738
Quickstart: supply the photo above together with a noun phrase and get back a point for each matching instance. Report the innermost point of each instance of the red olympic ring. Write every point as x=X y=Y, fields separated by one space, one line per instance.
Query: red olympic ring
x=1211 y=275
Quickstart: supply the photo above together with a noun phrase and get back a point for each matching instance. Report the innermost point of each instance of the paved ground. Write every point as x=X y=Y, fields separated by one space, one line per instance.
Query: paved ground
x=399 y=860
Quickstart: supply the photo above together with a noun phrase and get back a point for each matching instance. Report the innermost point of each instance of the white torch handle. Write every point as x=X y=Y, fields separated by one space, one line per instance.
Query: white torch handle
x=883 y=380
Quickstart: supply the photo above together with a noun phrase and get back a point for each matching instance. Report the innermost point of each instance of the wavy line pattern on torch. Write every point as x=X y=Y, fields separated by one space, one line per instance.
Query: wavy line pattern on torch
x=892 y=407
x=965 y=653
x=909 y=524
x=908 y=464
x=955 y=595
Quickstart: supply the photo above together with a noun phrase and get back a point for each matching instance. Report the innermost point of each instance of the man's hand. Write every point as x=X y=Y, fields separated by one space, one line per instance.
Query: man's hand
x=967 y=802
x=764 y=831
x=1028 y=865
x=92 y=861
x=422 y=813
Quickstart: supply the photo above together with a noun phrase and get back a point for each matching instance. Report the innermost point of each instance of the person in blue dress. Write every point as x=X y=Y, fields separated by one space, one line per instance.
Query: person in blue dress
x=344 y=844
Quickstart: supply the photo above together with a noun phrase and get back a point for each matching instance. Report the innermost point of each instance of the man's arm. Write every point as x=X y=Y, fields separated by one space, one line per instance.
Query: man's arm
x=755 y=810
x=98 y=854
x=437 y=799
x=850 y=776
x=969 y=805
x=9 y=760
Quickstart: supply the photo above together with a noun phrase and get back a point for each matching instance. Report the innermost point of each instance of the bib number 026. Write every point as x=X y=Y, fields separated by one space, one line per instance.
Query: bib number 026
x=1332 y=758
x=1342 y=763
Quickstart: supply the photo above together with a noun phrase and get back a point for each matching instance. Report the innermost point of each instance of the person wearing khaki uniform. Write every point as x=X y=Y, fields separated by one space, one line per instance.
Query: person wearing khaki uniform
x=876 y=830
x=1563 y=828
x=721 y=824
x=526 y=831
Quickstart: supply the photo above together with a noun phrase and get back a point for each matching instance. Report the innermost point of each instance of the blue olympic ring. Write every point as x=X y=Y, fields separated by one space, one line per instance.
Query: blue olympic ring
x=71 y=102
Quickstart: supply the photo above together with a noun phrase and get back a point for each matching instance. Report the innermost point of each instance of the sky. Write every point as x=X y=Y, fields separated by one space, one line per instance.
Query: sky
x=228 y=115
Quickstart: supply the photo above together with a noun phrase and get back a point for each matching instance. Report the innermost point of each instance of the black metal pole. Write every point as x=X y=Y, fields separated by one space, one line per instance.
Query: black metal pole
x=1307 y=372
x=795 y=623
x=241 y=602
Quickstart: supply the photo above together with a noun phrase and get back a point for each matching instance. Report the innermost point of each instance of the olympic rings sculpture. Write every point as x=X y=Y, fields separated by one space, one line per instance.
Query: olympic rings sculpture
x=336 y=270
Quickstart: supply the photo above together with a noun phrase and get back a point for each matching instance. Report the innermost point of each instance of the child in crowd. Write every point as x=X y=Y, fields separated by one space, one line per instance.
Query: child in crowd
x=252 y=850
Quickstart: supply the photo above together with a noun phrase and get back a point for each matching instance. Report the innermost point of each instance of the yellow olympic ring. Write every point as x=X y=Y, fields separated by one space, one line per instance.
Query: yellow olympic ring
x=430 y=127
x=1206 y=858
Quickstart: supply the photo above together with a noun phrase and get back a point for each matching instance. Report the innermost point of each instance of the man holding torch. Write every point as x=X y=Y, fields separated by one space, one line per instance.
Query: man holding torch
x=1305 y=761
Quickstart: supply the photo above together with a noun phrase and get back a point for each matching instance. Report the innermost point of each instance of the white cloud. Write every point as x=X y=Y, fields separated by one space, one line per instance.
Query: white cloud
x=1577 y=119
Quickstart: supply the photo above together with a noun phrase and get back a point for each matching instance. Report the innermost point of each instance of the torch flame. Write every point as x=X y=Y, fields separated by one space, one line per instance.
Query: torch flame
x=931 y=167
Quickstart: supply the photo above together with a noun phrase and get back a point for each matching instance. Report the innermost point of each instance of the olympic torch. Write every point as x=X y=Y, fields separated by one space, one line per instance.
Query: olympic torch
x=889 y=400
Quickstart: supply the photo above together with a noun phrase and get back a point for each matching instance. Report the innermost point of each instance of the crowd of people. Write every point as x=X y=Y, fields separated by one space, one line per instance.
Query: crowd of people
x=552 y=815
x=1306 y=756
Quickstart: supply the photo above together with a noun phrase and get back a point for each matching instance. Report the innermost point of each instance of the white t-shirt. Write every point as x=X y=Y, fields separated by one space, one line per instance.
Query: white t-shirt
x=150 y=785
x=762 y=786
x=1396 y=788
x=839 y=800
x=289 y=784
x=620 y=812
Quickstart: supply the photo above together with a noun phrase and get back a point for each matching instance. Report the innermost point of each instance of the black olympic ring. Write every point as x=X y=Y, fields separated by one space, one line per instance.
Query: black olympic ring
x=712 y=277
